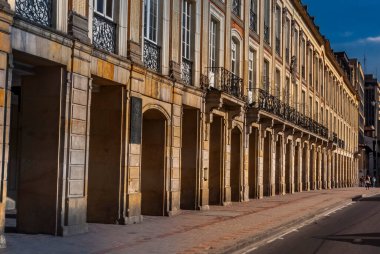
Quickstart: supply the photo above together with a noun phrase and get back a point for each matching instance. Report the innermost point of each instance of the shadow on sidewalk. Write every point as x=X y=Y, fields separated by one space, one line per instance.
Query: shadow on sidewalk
x=371 y=239
x=374 y=198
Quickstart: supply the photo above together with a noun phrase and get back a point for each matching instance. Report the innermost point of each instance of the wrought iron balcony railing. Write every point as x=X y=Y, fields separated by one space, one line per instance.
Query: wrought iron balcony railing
x=104 y=33
x=187 y=71
x=152 y=56
x=263 y=100
x=224 y=80
x=266 y=34
x=339 y=142
x=253 y=21
x=35 y=11
x=236 y=7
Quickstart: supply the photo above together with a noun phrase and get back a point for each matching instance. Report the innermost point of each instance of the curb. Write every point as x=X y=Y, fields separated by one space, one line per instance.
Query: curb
x=259 y=240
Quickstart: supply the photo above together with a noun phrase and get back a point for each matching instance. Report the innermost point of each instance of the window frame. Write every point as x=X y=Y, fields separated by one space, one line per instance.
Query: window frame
x=147 y=19
x=104 y=13
x=186 y=28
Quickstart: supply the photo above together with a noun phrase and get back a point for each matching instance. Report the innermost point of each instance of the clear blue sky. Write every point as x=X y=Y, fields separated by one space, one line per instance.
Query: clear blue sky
x=352 y=26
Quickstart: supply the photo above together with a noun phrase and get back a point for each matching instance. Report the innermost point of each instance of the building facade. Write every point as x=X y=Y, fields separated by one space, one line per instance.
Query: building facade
x=372 y=127
x=117 y=109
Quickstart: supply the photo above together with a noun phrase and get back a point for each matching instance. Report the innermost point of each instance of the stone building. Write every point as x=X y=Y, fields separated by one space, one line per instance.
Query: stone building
x=116 y=109
x=372 y=126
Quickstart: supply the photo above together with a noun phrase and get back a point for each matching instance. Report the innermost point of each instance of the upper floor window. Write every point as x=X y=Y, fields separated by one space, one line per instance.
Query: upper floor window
x=151 y=50
x=303 y=102
x=267 y=21
x=303 y=58
x=104 y=8
x=278 y=29
x=277 y=87
x=186 y=42
x=295 y=49
x=104 y=29
x=151 y=20
x=253 y=15
x=251 y=69
x=234 y=57
x=213 y=39
x=266 y=76
x=236 y=7
x=287 y=41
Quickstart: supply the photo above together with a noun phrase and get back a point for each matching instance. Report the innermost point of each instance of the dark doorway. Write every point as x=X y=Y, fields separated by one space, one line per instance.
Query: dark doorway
x=288 y=161
x=252 y=163
x=216 y=164
x=104 y=154
x=235 y=173
x=153 y=163
x=279 y=165
x=189 y=158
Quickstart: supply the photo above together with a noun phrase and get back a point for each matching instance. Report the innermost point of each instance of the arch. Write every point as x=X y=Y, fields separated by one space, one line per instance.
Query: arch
x=153 y=162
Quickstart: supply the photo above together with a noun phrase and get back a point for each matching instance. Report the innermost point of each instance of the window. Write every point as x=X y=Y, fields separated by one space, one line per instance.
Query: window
x=295 y=94
x=213 y=43
x=295 y=49
x=234 y=57
x=278 y=30
x=303 y=102
x=267 y=21
x=303 y=58
x=251 y=69
x=287 y=41
x=277 y=86
x=151 y=20
x=253 y=15
x=287 y=91
x=104 y=8
x=266 y=76
x=186 y=29
x=310 y=107
x=236 y=7
x=310 y=67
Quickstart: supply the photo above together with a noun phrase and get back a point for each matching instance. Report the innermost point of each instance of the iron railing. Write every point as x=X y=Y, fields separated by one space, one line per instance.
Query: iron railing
x=187 y=71
x=236 y=5
x=224 y=80
x=253 y=21
x=104 y=33
x=35 y=11
x=263 y=100
x=152 y=56
x=339 y=142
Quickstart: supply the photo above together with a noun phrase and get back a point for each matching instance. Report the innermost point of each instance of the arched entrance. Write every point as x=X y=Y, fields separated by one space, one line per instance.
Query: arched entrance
x=153 y=163
x=235 y=172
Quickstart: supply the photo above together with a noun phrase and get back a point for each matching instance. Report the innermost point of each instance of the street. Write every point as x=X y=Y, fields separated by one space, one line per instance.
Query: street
x=353 y=229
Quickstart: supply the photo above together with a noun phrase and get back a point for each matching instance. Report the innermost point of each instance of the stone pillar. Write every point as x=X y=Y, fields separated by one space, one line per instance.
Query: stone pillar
x=6 y=19
x=306 y=166
x=227 y=163
x=175 y=151
x=272 y=165
x=134 y=33
x=205 y=162
x=324 y=169
x=298 y=160
x=291 y=165
x=260 y=162
x=319 y=168
x=74 y=200
x=313 y=167
x=245 y=139
x=329 y=169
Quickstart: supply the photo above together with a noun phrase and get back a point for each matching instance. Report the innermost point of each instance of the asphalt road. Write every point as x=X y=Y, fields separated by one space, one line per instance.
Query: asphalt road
x=351 y=230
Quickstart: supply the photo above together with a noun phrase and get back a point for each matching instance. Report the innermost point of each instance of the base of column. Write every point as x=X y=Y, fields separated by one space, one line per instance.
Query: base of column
x=3 y=241
x=132 y=220
x=204 y=208
x=74 y=230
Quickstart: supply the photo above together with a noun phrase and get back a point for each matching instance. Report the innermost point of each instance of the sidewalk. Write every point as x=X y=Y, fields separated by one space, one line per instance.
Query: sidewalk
x=218 y=230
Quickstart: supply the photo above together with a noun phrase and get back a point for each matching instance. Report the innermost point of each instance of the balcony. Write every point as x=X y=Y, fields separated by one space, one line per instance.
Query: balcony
x=266 y=34
x=263 y=100
x=187 y=71
x=35 y=11
x=152 y=56
x=337 y=141
x=104 y=33
x=223 y=80
x=253 y=21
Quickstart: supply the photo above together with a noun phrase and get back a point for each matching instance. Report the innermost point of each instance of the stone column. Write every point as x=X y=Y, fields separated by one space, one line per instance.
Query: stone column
x=299 y=159
x=245 y=139
x=306 y=166
x=134 y=32
x=319 y=168
x=329 y=169
x=6 y=19
x=313 y=167
x=227 y=163
x=291 y=165
x=205 y=162
x=260 y=162
x=272 y=165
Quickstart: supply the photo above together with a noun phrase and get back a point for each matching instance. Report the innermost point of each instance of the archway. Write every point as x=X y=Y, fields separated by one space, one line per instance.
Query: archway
x=153 y=163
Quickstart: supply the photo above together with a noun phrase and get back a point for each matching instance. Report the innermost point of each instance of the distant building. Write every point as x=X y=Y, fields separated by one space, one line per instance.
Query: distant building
x=372 y=126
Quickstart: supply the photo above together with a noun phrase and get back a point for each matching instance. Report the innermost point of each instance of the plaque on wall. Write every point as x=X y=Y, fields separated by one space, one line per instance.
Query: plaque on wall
x=136 y=118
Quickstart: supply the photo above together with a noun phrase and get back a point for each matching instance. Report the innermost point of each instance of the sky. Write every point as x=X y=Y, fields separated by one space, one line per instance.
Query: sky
x=352 y=26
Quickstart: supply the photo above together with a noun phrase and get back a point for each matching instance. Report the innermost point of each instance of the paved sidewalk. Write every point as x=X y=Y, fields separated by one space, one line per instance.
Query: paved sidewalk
x=221 y=229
